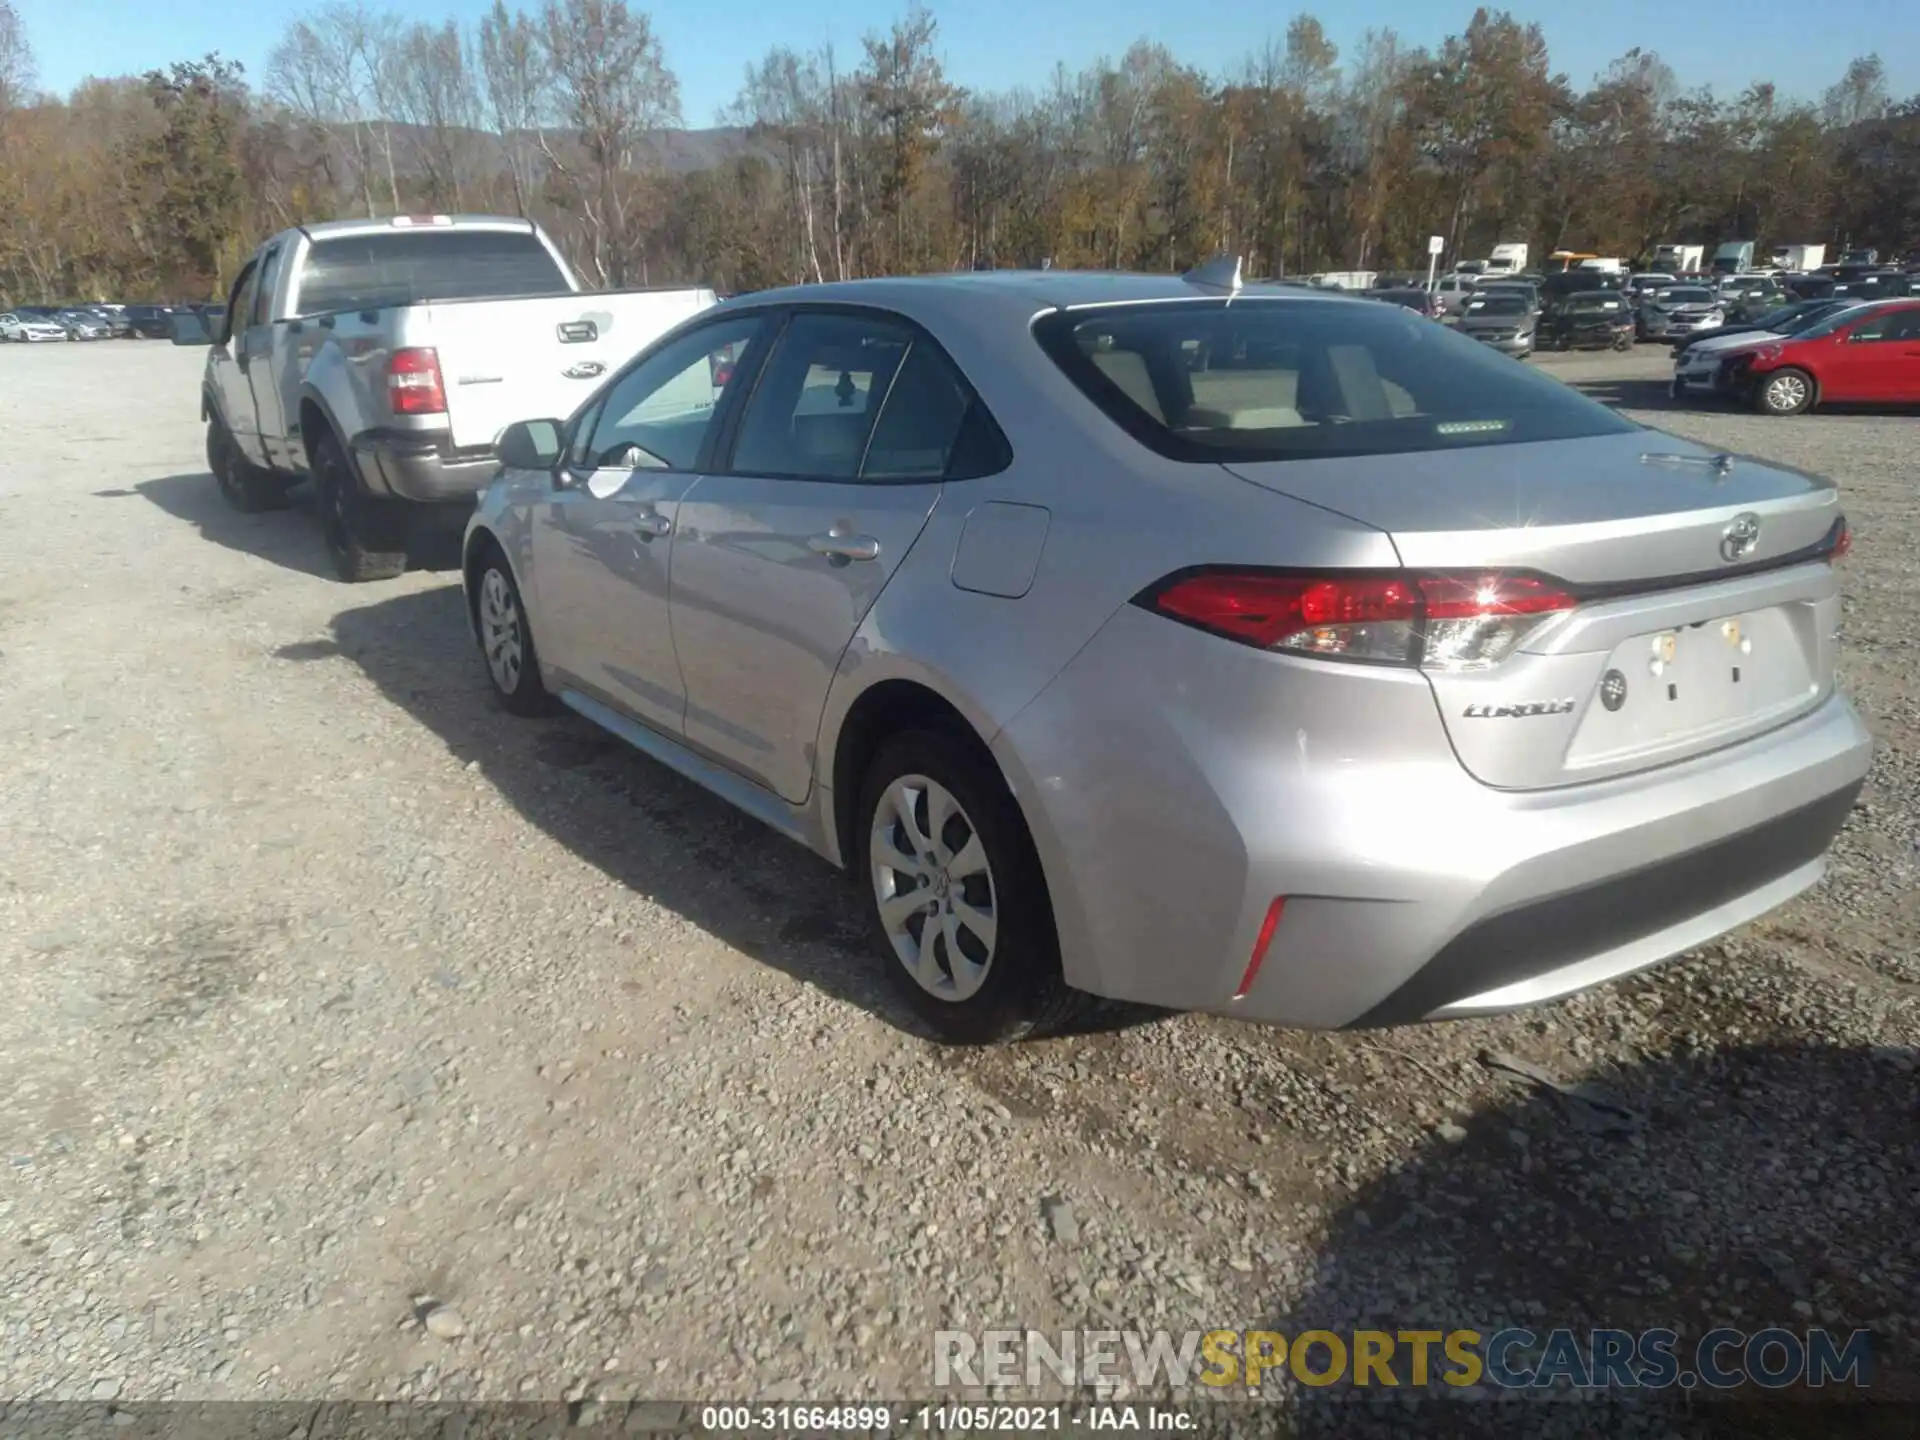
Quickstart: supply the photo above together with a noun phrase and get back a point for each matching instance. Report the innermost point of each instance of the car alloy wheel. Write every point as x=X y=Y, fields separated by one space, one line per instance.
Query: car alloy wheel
x=1787 y=393
x=934 y=887
x=502 y=637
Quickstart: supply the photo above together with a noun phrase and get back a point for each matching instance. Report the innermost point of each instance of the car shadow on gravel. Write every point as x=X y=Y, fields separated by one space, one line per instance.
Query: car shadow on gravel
x=290 y=538
x=636 y=821
x=1746 y=1187
x=1625 y=394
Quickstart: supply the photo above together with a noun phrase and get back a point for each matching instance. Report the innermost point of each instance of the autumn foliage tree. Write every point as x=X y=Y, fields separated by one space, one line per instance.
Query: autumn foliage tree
x=831 y=165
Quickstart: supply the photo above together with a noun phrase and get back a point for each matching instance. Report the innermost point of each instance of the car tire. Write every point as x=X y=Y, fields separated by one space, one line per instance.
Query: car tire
x=1006 y=985
x=243 y=485
x=1787 y=391
x=365 y=537
x=505 y=637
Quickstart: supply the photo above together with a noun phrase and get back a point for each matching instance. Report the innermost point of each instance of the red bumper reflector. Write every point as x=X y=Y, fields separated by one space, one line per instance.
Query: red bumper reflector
x=1267 y=927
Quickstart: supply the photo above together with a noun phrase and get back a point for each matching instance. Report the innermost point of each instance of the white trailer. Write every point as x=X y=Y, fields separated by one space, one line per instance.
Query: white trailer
x=1509 y=258
x=1799 y=257
x=1678 y=259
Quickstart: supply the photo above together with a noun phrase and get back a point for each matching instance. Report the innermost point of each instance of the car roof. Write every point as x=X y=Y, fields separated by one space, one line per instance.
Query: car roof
x=1016 y=296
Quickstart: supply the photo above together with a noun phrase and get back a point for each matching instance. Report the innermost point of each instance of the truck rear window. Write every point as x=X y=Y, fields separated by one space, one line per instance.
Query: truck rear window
x=1206 y=381
x=407 y=267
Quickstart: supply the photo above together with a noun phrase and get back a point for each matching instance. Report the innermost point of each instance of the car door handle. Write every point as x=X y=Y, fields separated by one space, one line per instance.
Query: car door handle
x=651 y=523
x=844 y=547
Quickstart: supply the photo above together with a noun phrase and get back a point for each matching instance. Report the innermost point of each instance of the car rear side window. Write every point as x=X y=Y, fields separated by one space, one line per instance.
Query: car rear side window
x=407 y=267
x=859 y=397
x=1258 y=379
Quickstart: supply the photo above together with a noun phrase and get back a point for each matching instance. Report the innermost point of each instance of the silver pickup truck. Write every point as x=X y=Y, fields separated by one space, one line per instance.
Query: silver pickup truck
x=382 y=359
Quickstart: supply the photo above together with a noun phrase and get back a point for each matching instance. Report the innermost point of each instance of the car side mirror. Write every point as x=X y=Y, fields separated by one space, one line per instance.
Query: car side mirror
x=529 y=445
x=189 y=329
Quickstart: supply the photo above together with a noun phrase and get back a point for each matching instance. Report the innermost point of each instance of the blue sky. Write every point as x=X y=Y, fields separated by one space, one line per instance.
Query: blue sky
x=994 y=44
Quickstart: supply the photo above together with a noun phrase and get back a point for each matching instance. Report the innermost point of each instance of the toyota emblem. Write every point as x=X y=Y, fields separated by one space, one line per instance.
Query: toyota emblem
x=1613 y=689
x=1740 y=537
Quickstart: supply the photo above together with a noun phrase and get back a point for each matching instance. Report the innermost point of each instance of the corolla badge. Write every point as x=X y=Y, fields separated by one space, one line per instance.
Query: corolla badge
x=585 y=370
x=1740 y=537
x=1519 y=711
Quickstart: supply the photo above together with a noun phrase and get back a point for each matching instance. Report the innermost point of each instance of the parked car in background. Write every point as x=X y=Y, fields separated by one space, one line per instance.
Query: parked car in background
x=1708 y=362
x=1415 y=298
x=1451 y=291
x=83 y=325
x=1744 y=296
x=1581 y=282
x=1678 y=310
x=1638 y=285
x=114 y=317
x=1783 y=320
x=1585 y=320
x=1866 y=354
x=24 y=327
x=1501 y=318
x=895 y=632
x=1877 y=285
x=150 y=322
x=382 y=359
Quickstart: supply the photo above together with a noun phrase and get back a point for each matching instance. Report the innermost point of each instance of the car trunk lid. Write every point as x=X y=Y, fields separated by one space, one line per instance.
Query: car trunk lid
x=1706 y=606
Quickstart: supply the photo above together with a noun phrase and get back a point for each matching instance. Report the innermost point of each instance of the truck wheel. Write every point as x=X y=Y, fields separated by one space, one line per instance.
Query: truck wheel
x=245 y=486
x=367 y=539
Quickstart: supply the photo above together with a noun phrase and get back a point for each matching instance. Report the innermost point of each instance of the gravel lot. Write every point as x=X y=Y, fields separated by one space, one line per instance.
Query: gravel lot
x=337 y=993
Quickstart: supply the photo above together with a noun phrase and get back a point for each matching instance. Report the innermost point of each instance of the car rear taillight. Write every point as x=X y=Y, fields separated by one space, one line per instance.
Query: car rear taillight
x=413 y=382
x=1450 y=621
x=1842 y=540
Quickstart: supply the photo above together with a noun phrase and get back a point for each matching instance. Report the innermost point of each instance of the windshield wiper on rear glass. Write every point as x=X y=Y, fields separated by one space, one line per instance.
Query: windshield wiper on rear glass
x=1721 y=465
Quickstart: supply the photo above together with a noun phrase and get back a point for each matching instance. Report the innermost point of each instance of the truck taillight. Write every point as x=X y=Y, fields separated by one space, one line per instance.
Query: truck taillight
x=413 y=382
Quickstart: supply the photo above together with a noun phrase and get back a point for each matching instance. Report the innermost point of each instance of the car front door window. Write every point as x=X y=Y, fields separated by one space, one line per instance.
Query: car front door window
x=658 y=415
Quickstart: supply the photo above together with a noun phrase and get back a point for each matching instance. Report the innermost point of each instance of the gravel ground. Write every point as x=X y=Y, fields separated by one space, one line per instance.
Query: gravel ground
x=339 y=996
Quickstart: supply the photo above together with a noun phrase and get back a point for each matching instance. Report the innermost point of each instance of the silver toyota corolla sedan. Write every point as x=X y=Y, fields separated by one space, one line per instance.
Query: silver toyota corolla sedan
x=1272 y=654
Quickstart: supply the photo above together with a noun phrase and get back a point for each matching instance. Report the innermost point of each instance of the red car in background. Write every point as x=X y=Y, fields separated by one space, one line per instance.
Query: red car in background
x=1871 y=358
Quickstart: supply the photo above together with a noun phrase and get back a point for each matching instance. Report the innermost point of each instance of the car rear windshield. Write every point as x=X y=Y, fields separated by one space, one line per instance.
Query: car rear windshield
x=407 y=267
x=1259 y=379
x=1687 y=296
x=1498 y=303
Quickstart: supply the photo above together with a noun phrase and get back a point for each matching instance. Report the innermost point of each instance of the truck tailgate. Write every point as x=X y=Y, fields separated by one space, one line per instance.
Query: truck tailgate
x=539 y=358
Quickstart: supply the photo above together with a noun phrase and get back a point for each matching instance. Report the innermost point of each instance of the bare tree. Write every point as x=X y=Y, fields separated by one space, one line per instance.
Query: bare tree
x=333 y=72
x=613 y=87
x=784 y=100
x=1861 y=94
x=434 y=89
x=16 y=59
x=518 y=92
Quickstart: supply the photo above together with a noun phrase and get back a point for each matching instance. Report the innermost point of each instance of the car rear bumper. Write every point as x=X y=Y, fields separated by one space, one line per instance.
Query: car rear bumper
x=424 y=469
x=1178 y=785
